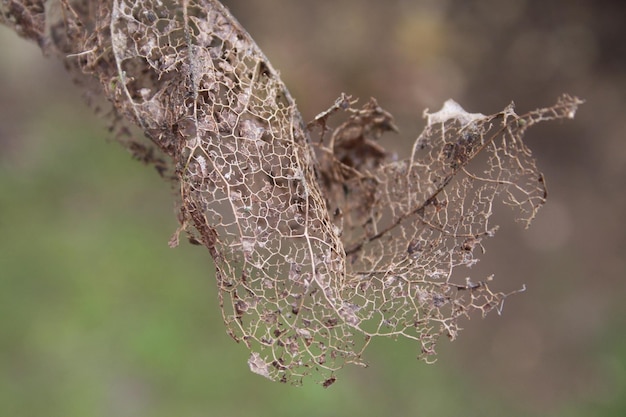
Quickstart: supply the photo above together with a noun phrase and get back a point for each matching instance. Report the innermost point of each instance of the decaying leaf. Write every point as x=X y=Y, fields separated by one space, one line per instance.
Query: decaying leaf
x=320 y=240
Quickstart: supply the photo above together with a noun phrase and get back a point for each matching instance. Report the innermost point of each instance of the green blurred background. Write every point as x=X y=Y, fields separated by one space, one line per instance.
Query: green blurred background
x=98 y=317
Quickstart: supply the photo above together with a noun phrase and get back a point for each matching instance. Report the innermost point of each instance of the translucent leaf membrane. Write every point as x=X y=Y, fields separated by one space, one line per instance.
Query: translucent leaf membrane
x=318 y=245
x=406 y=225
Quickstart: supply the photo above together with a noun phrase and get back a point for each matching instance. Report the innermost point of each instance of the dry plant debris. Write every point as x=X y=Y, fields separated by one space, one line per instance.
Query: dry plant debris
x=321 y=240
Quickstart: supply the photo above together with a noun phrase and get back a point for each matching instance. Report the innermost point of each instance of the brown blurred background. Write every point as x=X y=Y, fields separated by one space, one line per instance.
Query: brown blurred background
x=98 y=317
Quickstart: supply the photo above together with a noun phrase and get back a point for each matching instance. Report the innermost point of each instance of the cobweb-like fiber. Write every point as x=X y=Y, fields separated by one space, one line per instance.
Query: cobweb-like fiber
x=320 y=241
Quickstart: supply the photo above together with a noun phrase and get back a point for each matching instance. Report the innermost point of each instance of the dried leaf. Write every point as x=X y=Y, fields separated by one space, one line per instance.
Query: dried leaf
x=319 y=245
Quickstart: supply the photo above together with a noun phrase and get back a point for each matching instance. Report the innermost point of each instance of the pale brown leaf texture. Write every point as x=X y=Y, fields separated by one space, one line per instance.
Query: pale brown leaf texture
x=320 y=240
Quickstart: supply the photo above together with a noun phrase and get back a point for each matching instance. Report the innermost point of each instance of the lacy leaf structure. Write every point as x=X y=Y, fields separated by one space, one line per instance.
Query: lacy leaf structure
x=321 y=240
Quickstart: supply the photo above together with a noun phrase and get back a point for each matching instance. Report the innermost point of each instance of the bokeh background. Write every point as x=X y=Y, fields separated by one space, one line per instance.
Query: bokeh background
x=98 y=317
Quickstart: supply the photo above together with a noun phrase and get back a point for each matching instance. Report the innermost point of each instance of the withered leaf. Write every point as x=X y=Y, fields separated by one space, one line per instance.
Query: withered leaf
x=320 y=241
